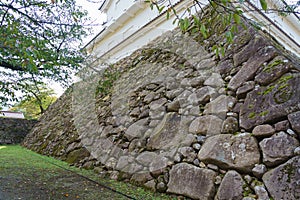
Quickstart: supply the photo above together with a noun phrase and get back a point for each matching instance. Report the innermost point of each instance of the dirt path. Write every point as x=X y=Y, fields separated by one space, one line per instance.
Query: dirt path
x=25 y=175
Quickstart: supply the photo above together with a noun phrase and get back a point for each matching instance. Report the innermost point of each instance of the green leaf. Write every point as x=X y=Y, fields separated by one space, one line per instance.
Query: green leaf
x=263 y=4
x=237 y=18
x=203 y=31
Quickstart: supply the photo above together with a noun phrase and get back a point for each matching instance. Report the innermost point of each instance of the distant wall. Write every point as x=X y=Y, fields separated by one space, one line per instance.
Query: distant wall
x=13 y=131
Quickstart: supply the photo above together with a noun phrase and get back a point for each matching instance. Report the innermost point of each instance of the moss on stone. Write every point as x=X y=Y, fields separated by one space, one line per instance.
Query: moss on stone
x=264 y=113
x=251 y=115
x=273 y=64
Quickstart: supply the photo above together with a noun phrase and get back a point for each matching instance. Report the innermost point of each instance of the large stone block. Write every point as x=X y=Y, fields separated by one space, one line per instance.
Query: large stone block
x=191 y=181
x=231 y=186
x=283 y=182
x=238 y=152
x=278 y=148
x=172 y=132
x=271 y=103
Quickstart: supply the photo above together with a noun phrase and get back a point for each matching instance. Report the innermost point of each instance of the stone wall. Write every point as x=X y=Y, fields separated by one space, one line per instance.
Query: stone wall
x=175 y=117
x=13 y=131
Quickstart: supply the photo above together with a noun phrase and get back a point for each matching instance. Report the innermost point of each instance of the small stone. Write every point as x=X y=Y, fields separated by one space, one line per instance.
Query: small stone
x=244 y=89
x=230 y=125
x=261 y=192
x=297 y=151
x=213 y=167
x=263 y=130
x=248 y=198
x=201 y=139
x=188 y=153
x=282 y=126
x=202 y=165
x=151 y=185
x=291 y=132
x=248 y=179
x=259 y=170
x=218 y=180
x=294 y=119
x=161 y=187
x=196 y=162
x=197 y=146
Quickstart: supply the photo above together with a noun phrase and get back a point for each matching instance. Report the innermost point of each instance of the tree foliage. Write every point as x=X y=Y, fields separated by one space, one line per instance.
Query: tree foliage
x=37 y=99
x=38 y=39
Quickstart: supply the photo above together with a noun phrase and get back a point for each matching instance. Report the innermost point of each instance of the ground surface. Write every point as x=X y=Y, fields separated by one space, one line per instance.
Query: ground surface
x=26 y=175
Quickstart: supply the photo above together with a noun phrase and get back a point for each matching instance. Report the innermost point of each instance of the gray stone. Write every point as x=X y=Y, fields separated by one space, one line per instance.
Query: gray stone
x=247 y=72
x=282 y=126
x=263 y=130
x=271 y=103
x=146 y=157
x=224 y=67
x=278 y=148
x=228 y=151
x=161 y=187
x=151 y=185
x=191 y=181
x=220 y=106
x=272 y=71
x=261 y=192
x=297 y=151
x=136 y=130
x=197 y=146
x=283 y=181
x=206 y=125
x=205 y=94
x=250 y=49
x=294 y=119
x=215 y=80
x=244 y=89
x=188 y=154
x=231 y=186
x=182 y=98
x=259 y=170
x=230 y=125
x=174 y=93
x=173 y=106
x=158 y=165
x=141 y=178
x=170 y=133
x=157 y=108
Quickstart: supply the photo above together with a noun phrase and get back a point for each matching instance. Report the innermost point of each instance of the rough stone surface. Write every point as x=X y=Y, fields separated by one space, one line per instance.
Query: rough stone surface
x=136 y=130
x=294 y=119
x=283 y=181
x=259 y=170
x=271 y=103
x=231 y=152
x=191 y=181
x=272 y=71
x=244 y=89
x=206 y=125
x=231 y=186
x=13 y=131
x=250 y=67
x=230 y=125
x=261 y=192
x=171 y=132
x=278 y=148
x=220 y=106
x=263 y=130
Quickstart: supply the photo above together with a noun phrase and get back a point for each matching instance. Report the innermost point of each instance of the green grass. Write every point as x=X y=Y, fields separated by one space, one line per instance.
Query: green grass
x=27 y=173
